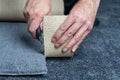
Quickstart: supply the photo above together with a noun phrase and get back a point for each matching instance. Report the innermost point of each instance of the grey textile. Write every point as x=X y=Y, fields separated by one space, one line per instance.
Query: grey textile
x=97 y=58
x=19 y=53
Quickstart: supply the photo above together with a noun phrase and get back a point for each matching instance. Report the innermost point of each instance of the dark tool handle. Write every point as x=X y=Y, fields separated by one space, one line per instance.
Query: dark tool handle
x=38 y=33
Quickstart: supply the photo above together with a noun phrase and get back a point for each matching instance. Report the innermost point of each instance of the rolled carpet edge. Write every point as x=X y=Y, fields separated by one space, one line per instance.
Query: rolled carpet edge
x=12 y=10
x=51 y=24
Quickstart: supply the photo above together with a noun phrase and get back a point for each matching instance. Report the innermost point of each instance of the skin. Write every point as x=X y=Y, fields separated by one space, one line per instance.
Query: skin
x=76 y=27
x=34 y=11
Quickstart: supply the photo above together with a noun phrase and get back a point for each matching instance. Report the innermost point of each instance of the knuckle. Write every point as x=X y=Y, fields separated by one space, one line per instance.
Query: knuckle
x=37 y=14
x=89 y=28
x=79 y=18
x=62 y=28
x=82 y=20
x=76 y=38
x=30 y=13
x=30 y=29
x=69 y=34
x=25 y=11
x=75 y=15
x=89 y=24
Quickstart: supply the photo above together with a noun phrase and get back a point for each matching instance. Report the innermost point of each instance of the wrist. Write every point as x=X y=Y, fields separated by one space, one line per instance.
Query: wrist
x=95 y=3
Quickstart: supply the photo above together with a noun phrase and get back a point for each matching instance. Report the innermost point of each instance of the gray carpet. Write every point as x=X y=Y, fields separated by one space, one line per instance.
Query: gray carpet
x=19 y=52
x=97 y=58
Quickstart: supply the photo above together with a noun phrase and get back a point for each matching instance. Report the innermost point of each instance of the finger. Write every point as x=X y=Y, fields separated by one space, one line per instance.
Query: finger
x=70 y=32
x=28 y=3
x=33 y=25
x=74 y=48
x=60 y=31
x=34 y=3
x=27 y=8
x=76 y=38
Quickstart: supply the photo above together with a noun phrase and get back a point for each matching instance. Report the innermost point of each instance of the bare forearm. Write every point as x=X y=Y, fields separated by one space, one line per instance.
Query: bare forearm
x=95 y=3
x=91 y=6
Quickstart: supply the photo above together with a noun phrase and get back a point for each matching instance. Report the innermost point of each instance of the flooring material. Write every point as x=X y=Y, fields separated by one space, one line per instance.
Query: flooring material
x=50 y=25
x=20 y=54
x=12 y=10
x=17 y=54
x=97 y=58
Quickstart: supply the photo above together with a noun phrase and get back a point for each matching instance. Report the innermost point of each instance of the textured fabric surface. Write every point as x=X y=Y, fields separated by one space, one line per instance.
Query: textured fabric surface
x=20 y=54
x=97 y=58
x=12 y=10
x=51 y=24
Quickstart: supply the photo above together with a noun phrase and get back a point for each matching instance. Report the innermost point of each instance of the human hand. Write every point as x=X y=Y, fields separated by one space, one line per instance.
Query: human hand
x=34 y=12
x=77 y=25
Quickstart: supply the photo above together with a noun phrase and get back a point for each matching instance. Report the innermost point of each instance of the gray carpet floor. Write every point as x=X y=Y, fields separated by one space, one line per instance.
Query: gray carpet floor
x=97 y=58
x=20 y=54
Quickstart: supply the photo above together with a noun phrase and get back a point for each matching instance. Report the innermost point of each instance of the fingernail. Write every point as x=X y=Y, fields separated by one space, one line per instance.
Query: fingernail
x=65 y=50
x=53 y=40
x=57 y=45
x=73 y=50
